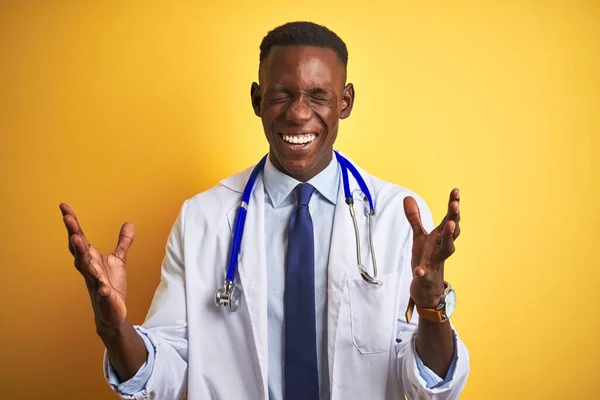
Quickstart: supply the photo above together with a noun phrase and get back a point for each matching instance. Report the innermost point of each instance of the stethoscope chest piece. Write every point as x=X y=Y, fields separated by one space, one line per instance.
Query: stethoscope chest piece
x=229 y=296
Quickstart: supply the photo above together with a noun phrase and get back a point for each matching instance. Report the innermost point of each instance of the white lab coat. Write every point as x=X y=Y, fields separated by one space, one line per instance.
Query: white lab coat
x=217 y=354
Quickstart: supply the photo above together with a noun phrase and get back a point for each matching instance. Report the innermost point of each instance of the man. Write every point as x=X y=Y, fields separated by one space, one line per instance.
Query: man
x=309 y=326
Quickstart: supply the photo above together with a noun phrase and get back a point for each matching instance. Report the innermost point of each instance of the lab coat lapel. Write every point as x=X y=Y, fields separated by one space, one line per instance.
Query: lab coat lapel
x=252 y=274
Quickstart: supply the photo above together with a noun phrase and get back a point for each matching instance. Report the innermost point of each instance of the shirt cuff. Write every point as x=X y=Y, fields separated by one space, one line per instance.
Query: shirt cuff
x=432 y=380
x=138 y=382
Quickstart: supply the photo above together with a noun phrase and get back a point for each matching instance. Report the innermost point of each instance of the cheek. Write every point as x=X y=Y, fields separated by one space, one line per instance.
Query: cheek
x=270 y=115
x=328 y=116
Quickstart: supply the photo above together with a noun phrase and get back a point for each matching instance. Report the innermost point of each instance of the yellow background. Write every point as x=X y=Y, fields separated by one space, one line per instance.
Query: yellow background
x=125 y=109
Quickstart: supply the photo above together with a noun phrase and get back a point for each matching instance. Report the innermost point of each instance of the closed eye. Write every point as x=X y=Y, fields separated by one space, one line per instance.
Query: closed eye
x=319 y=95
x=279 y=99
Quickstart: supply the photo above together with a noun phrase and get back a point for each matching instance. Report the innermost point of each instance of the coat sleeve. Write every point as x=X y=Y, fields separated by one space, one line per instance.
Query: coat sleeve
x=413 y=384
x=166 y=324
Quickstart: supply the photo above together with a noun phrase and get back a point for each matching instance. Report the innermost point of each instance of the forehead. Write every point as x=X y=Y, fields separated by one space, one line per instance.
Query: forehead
x=302 y=66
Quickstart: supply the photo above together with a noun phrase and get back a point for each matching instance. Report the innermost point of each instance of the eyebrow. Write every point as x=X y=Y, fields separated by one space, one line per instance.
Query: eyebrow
x=318 y=90
x=277 y=89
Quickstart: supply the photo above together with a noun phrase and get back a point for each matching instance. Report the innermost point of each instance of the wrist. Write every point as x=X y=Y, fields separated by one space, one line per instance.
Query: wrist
x=430 y=297
x=436 y=310
x=431 y=302
x=111 y=332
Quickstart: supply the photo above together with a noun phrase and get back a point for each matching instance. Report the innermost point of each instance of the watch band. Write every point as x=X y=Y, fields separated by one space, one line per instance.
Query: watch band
x=429 y=314
x=409 y=310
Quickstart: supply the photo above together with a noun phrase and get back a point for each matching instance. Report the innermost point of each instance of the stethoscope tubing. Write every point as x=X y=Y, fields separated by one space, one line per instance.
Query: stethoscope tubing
x=240 y=222
x=229 y=295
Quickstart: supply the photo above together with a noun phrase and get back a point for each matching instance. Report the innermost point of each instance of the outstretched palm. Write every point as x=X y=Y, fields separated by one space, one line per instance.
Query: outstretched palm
x=430 y=250
x=105 y=275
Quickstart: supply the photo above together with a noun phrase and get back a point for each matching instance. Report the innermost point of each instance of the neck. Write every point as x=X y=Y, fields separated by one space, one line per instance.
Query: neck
x=307 y=173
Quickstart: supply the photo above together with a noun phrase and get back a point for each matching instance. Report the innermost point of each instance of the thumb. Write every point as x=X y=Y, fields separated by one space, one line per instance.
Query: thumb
x=413 y=215
x=126 y=237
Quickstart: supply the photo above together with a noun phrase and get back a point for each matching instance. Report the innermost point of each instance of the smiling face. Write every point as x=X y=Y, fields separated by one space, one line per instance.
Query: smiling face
x=301 y=98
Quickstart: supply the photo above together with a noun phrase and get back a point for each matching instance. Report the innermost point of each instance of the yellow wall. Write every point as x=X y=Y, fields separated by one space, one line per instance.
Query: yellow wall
x=125 y=109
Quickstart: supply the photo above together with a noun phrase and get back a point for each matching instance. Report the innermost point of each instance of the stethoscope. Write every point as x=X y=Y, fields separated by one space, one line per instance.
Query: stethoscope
x=230 y=295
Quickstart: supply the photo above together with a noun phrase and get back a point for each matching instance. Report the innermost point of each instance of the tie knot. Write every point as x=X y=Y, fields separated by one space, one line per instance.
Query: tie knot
x=303 y=193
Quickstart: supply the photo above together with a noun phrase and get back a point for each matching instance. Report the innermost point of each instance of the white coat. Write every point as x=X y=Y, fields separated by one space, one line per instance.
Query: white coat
x=216 y=354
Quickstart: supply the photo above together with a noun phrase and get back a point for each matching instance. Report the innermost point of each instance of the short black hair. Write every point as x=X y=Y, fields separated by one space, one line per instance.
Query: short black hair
x=302 y=33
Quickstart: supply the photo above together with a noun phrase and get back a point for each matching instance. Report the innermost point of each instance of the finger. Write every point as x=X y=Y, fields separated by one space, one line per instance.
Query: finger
x=447 y=245
x=126 y=236
x=71 y=222
x=419 y=272
x=73 y=228
x=454 y=195
x=413 y=215
x=66 y=210
x=454 y=215
x=453 y=204
x=80 y=252
x=84 y=259
x=456 y=220
x=454 y=210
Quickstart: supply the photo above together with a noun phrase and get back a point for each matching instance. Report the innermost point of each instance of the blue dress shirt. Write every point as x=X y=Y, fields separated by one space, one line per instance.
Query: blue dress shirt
x=279 y=205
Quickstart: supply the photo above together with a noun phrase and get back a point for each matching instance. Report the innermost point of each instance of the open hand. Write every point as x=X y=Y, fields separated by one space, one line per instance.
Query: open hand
x=430 y=251
x=104 y=275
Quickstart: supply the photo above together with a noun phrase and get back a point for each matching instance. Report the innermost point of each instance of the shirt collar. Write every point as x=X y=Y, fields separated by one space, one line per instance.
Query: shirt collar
x=279 y=185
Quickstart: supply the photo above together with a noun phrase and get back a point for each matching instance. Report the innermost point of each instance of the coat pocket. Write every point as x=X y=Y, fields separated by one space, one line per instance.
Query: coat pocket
x=372 y=311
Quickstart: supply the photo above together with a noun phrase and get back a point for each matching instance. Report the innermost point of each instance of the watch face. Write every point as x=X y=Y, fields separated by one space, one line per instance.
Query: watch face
x=450 y=303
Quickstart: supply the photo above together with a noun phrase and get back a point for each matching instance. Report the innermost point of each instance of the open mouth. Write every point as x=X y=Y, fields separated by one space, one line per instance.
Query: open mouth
x=298 y=141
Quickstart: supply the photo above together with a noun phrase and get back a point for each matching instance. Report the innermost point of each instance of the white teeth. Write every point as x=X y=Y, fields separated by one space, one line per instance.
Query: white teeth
x=299 y=139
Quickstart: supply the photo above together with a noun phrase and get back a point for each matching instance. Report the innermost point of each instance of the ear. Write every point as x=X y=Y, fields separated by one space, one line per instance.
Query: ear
x=255 y=98
x=347 y=101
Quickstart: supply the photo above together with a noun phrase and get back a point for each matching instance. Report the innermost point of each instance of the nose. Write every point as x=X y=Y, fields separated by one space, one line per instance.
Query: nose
x=299 y=110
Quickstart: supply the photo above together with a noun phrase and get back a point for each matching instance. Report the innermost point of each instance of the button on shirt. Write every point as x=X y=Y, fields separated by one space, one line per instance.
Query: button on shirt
x=280 y=202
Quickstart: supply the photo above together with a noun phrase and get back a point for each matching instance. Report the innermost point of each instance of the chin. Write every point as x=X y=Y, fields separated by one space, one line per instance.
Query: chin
x=297 y=167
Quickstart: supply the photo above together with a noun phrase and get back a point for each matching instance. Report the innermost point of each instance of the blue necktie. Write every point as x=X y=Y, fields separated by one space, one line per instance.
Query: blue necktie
x=301 y=373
